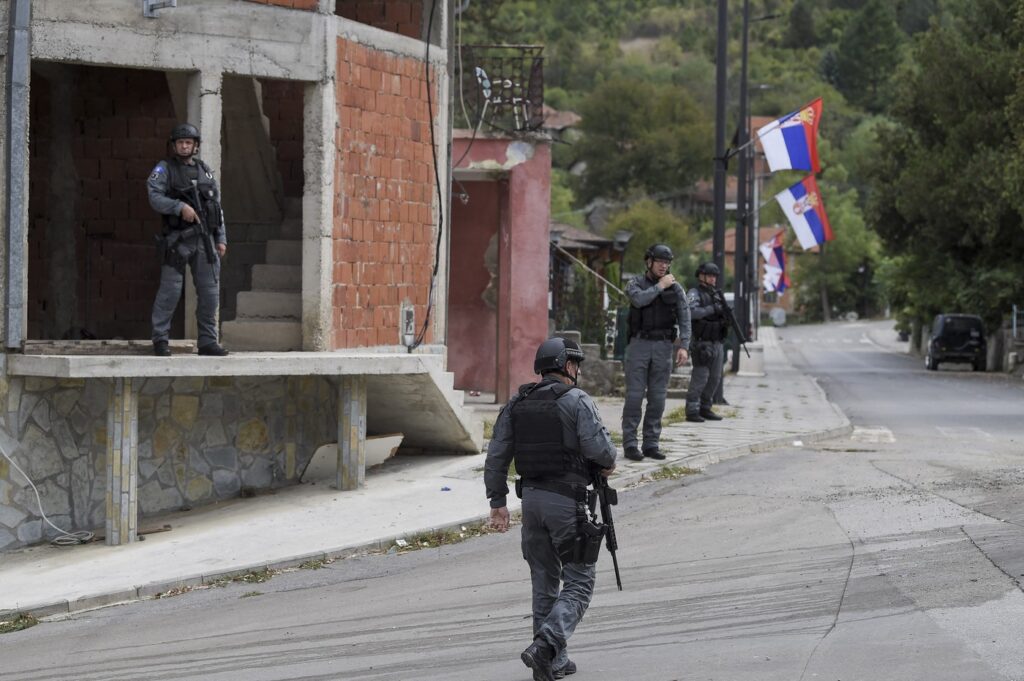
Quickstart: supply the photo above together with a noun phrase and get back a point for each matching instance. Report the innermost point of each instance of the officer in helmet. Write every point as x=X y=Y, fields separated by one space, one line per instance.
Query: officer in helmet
x=710 y=327
x=182 y=190
x=554 y=433
x=659 y=332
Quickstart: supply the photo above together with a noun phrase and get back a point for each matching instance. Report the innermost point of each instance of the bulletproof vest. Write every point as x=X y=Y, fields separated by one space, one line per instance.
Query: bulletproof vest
x=537 y=433
x=179 y=187
x=713 y=328
x=660 y=315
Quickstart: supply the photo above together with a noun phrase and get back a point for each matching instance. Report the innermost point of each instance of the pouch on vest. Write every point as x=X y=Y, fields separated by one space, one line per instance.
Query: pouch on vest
x=585 y=547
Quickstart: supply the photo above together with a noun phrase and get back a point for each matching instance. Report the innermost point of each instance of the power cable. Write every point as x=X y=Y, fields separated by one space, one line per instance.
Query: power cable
x=63 y=538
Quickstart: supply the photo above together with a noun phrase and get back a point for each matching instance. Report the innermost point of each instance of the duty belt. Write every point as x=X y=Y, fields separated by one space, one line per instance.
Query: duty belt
x=574 y=492
x=659 y=334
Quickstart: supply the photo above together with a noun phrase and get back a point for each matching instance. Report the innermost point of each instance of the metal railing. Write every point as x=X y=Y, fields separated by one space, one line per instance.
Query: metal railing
x=501 y=87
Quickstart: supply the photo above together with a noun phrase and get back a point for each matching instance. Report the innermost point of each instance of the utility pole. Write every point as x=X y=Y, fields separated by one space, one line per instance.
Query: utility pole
x=741 y=285
x=721 y=52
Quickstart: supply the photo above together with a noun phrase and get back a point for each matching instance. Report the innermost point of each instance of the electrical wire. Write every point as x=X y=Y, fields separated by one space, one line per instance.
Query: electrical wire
x=64 y=538
x=418 y=340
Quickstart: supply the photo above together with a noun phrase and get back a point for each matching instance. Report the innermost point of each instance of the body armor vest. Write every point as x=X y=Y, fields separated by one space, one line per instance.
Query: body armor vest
x=660 y=315
x=714 y=328
x=179 y=187
x=537 y=429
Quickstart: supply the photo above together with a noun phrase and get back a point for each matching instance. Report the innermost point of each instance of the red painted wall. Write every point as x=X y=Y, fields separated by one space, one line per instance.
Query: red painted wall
x=384 y=231
x=523 y=191
x=472 y=322
x=308 y=5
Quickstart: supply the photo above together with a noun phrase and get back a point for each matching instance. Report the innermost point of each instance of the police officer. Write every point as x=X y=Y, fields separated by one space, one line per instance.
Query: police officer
x=182 y=189
x=710 y=326
x=553 y=431
x=659 y=330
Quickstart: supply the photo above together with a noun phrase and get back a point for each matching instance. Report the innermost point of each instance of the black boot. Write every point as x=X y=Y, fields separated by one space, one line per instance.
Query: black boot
x=568 y=669
x=212 y=350
x=654 y=453
x=633 y=454
x=538 y=658
x=709 y=415
x=161 y=349
x=694 y=418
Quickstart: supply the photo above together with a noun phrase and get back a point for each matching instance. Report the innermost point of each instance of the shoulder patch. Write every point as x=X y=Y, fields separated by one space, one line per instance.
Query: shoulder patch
x=157 y=171
x=693 y=296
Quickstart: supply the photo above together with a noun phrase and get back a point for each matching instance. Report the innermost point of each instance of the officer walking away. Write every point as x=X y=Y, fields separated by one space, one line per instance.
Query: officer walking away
x=554 y=433
x=182 y=189
x=659 y=331
x=710 y=327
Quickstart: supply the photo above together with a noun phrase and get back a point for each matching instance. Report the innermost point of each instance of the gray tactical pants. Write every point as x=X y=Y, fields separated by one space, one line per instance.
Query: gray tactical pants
x=549 y=520
x=205 y=277
x=648 y=368
x=704 y=379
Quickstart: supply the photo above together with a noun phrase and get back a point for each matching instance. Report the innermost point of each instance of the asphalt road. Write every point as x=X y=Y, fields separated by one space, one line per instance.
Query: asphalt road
x=891 y=554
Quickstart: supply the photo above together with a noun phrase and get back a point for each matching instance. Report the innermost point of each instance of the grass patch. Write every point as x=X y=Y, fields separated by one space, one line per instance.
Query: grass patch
x=252 y=577
x=315 y=564
x=677 y=415
x=673 y=472
x=762 y=385
x=250 y=594
x=616 y=437
x=432 y=540
x=488 y=429
x=22 y=620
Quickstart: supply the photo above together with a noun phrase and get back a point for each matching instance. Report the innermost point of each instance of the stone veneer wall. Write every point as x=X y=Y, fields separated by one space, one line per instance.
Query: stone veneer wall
x=200 y=440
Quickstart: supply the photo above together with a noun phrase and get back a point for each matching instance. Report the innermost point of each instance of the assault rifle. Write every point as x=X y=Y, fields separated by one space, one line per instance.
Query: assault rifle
x=740 y=337
x=608 y=497
x=204 y=232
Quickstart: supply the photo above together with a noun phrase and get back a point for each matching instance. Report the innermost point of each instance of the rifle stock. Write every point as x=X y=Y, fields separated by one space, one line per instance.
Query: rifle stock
x=740 y=337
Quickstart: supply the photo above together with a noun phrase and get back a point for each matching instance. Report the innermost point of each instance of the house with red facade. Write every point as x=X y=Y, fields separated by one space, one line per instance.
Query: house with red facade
x=327 y=124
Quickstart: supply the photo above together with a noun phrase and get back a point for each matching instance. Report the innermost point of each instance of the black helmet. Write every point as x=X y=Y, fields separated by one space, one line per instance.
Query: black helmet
x=554 y=353
x=185 y=131
x=708 y=268
x=658 y=252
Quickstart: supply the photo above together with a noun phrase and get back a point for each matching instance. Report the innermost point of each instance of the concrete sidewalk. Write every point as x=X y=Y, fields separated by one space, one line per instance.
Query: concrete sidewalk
x=402 y=498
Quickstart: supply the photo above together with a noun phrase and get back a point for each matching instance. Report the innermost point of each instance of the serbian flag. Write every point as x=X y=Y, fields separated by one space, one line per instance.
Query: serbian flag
x=806 y=213
x=791 y=142
x=775 y=279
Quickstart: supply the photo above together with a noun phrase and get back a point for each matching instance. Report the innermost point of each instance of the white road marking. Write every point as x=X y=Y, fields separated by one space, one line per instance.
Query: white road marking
x=966 y=432
x=873 y=434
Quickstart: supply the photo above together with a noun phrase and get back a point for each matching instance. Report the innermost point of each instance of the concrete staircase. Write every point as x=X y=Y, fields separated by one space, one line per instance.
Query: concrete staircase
x=268 y=317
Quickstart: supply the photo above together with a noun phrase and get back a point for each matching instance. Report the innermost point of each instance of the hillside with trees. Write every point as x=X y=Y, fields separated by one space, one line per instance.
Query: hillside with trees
x=923 y=104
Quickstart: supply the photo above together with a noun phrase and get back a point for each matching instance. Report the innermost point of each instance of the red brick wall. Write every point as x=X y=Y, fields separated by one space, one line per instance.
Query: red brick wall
x=122 y=119
x=384 y=231
x=282 y=104
x=309 y=5
x=398 y=16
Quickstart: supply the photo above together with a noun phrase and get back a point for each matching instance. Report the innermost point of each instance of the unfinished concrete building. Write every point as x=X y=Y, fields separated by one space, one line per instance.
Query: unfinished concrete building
x=327 y=124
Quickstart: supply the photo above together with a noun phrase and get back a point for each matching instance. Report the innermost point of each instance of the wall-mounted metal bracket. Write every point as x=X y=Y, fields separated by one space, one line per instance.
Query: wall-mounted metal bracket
x=149 y=7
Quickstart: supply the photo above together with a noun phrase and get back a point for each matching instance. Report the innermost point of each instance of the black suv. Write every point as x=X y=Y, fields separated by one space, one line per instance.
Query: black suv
x=956 y=338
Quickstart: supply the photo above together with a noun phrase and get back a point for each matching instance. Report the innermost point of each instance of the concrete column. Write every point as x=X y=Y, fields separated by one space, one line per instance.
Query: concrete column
x=503 y=354
x=319 y=156
x=122 y=462
x=351 y=432
x=205 y=111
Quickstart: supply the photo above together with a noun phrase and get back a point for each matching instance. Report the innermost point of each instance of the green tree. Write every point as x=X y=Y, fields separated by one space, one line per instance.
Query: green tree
x=938 y=200
x=651 y=223
x=801 y=32
x=868 y=53
x=641 y=138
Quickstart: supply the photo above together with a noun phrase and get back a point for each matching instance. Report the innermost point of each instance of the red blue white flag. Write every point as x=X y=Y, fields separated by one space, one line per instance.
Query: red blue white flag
x=806 y=213
x=791 y=142
x=775 y=278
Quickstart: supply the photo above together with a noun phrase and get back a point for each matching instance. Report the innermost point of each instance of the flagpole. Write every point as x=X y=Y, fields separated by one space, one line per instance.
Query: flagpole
x=721 y=55
x=757 y=135
x=740 y=284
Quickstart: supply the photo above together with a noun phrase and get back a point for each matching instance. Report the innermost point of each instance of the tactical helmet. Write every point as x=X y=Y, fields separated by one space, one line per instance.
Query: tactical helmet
x=185 y=131
x=658 y=252
x=708 y=268
x=553 y=354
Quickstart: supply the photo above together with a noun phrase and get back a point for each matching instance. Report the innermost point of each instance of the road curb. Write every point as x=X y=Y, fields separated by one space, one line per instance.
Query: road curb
x=624 y=479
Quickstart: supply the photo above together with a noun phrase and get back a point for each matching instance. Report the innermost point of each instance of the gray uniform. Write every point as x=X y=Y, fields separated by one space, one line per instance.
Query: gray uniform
x=550 y=518
x=193 y=252
x=649 y=363
x=706 y=353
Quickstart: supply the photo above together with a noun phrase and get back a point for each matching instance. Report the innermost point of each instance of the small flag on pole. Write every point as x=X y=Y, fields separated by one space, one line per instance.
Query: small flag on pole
x=791 y=142
x=806 y=213
x=775 y=279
